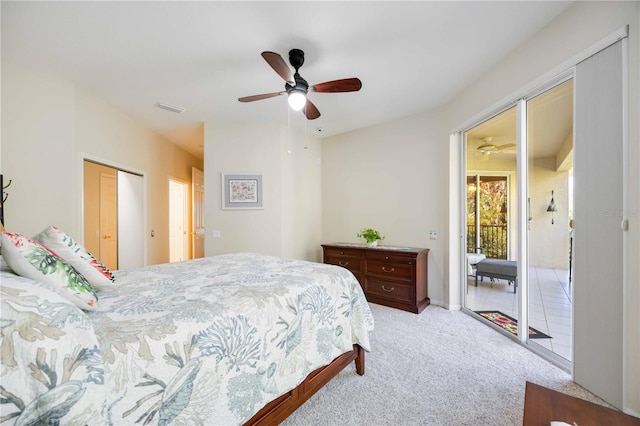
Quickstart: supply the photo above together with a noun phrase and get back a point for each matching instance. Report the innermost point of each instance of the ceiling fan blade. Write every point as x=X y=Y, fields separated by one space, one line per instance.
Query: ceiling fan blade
x=335 y=86
x=260 y=97
x=279 y=65
x=506 y=146
x=310 y=110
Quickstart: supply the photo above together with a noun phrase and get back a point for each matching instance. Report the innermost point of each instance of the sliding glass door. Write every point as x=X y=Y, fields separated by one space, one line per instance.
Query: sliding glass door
x=549 y=240
x=526 y=149
x=570 y=273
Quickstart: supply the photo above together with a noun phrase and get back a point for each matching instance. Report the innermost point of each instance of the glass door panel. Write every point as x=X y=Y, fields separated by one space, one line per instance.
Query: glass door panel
x=491 y=222
x=550 y=195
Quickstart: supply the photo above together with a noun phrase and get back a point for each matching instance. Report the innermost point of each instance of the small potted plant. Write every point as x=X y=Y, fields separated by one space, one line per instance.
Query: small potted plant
x=371 y=236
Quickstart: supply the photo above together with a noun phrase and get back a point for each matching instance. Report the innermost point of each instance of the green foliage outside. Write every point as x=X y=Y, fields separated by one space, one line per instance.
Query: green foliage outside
x=493 y=217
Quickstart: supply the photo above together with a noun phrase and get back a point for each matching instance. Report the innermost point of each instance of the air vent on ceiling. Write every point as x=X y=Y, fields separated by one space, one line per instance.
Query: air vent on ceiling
x=171 y=108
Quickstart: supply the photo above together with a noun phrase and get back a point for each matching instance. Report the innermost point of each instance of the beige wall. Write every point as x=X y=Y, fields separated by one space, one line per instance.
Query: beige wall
x=51 y=126
x=391 y=177
x=289 y=225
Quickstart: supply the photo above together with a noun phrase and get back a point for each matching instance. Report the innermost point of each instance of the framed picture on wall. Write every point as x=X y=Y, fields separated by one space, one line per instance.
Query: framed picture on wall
x=241 y=191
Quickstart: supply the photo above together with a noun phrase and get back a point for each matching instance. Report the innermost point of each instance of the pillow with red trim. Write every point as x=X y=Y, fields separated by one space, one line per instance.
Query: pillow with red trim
x=31 y=259
x=79 y=257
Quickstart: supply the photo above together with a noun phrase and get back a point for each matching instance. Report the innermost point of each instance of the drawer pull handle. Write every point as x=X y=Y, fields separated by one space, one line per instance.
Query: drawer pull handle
x=386 y=257
x=341 y=252
x=342 y=264
x=387 y=289
x=386 y=270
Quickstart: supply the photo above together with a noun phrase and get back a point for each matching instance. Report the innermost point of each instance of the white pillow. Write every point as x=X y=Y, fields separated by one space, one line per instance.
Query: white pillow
x=3 y=265
x=79 y=257
x=33 y=260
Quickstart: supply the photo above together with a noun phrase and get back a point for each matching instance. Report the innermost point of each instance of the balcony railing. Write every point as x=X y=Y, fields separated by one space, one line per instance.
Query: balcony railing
x=493 y=240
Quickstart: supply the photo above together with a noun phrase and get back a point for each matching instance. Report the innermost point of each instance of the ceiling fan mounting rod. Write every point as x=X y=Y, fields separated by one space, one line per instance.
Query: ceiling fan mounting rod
x=296 y=58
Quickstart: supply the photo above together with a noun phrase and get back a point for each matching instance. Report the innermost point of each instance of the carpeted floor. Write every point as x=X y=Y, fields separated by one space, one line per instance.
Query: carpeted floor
x=438 y=368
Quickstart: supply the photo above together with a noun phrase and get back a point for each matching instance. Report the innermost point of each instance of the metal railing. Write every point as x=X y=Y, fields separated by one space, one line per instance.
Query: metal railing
x=493 y=240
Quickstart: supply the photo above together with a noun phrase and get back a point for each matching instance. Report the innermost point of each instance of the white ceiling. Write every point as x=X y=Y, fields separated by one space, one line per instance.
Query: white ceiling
x=411 y=56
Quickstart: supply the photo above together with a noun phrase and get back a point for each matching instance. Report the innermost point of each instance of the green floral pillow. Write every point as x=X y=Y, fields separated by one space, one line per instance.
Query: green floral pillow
x=31 y=259
x=98 y=275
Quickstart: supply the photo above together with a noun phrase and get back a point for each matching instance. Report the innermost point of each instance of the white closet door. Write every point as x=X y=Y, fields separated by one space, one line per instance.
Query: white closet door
x=131 y=231
x=598 y=282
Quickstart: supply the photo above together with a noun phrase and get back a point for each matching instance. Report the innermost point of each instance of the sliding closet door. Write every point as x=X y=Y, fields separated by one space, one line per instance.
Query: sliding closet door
x=130 y=220
x=598 y=290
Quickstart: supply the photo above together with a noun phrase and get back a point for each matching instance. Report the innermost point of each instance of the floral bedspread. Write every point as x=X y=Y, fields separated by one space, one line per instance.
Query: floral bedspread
x=206 y=341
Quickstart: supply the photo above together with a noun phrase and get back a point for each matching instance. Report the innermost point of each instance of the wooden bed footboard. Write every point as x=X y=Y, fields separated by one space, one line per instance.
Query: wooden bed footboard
x=280 y=408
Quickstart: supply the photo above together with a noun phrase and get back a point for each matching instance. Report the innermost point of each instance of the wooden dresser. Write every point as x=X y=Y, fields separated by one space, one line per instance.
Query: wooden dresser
x=390 y=276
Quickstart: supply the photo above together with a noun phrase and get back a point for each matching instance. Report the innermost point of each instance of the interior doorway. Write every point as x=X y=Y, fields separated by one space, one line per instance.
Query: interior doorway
x=178 y=249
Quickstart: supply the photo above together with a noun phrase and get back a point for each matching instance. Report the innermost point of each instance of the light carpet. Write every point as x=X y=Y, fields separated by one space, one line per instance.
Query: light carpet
x=438 y=368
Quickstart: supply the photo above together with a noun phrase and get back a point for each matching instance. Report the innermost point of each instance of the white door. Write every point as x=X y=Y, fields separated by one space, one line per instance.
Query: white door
x=177 y=221
x=131 y=228
x=197 y=191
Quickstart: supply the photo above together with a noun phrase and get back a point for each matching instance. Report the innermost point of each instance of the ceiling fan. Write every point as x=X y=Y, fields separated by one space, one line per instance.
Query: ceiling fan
x=297 y=88
x=487 y=148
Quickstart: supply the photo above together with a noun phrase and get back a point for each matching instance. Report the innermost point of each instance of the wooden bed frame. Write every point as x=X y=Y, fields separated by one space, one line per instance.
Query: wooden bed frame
x=280 y=408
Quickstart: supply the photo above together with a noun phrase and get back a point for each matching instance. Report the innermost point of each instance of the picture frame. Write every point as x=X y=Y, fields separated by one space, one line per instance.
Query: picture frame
x=241 y=191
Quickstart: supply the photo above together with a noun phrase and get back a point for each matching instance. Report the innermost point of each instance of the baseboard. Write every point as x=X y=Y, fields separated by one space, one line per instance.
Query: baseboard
x=631 y=412
x=446 y=305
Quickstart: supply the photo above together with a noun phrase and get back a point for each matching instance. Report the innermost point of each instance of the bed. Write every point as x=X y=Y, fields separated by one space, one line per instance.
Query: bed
x=232 y=339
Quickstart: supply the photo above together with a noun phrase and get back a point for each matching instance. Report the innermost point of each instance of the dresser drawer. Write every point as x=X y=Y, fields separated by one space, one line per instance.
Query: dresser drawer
x=354 y=264
x=390 y=271
x=387 y=257
x=399 y=292
x=351 y=259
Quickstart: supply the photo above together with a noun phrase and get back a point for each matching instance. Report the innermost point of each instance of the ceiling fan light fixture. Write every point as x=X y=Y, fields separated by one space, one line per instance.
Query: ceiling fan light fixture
x=297 y=87
x=297 y=99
